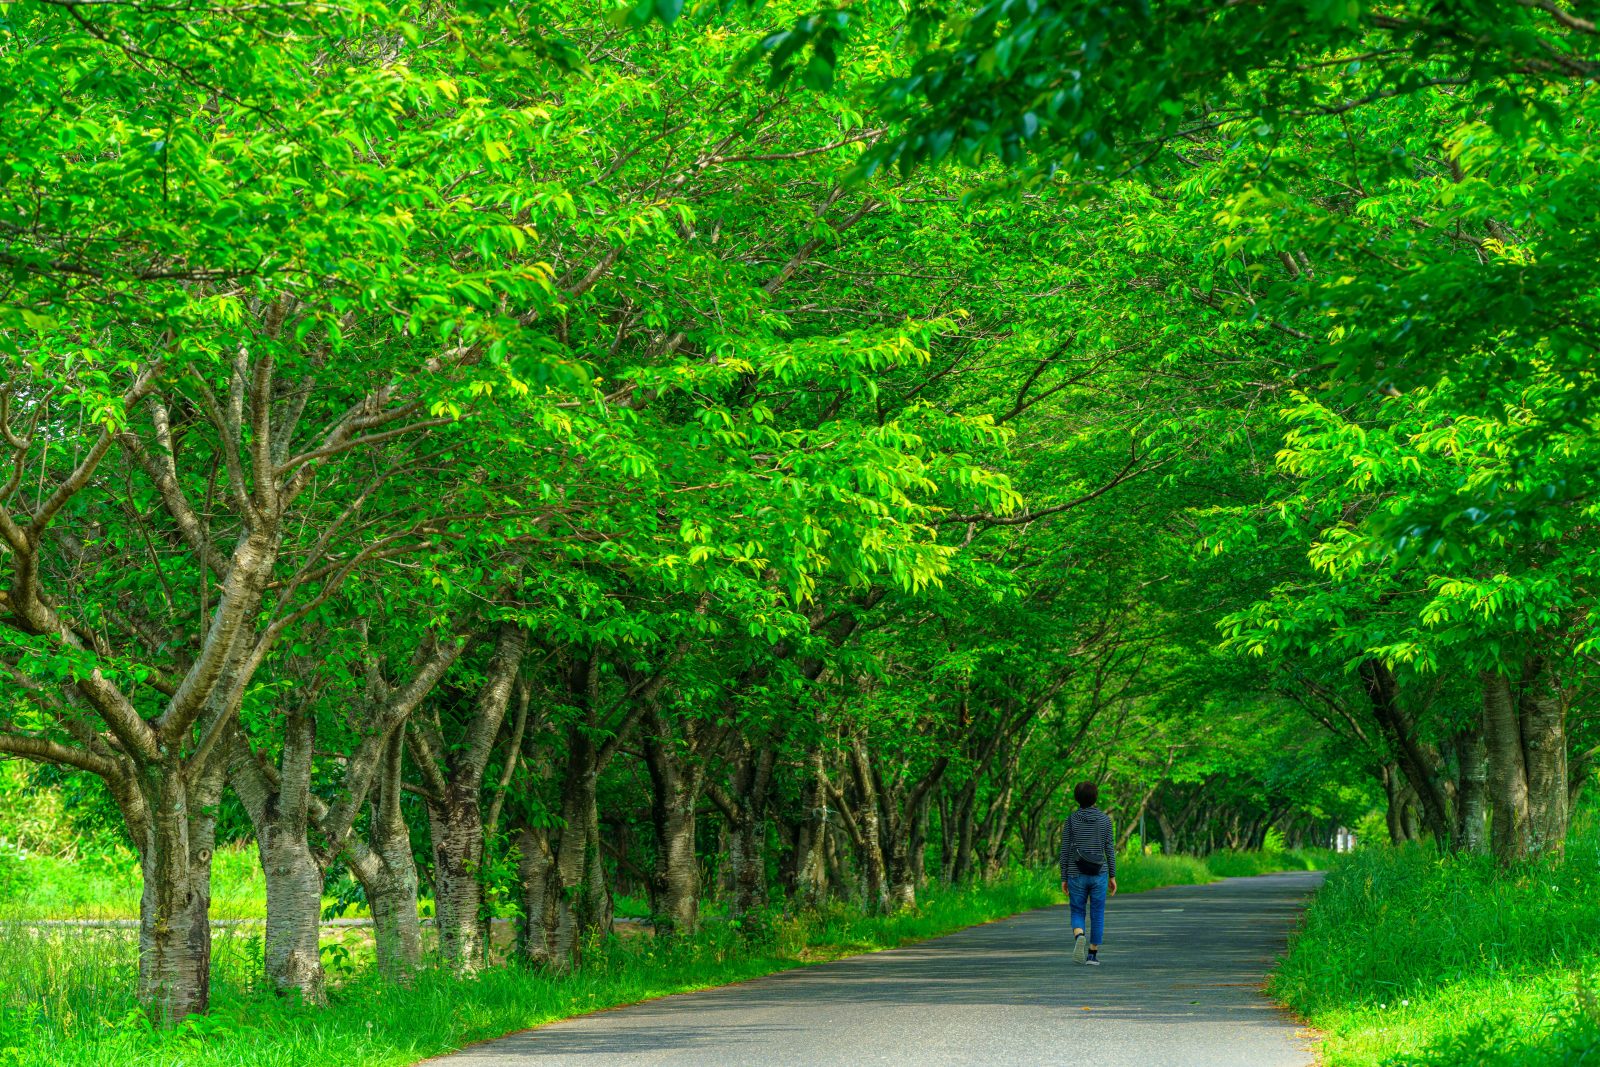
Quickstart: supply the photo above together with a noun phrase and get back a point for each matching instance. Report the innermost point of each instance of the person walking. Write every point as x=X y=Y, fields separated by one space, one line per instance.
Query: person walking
x=1088 y=871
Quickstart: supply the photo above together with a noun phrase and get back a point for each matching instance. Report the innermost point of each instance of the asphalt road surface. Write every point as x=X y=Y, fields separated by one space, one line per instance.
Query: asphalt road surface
x=1179 y=987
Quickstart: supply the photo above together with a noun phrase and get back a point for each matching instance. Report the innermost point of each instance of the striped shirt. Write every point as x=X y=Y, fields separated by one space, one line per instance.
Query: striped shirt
x=1088 y=834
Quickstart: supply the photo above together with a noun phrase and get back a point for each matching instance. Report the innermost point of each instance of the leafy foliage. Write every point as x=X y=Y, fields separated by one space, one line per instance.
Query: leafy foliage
x=504 y=457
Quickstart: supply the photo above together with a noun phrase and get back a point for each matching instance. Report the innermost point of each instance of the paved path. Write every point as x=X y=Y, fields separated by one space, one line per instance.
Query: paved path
x=1179 y=988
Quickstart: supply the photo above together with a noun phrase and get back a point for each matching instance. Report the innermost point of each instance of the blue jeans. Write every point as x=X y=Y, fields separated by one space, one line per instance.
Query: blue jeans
x=1089 y=890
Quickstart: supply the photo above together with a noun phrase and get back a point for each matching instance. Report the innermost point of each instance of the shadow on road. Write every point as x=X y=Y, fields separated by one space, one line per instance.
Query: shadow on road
x=1180 y=985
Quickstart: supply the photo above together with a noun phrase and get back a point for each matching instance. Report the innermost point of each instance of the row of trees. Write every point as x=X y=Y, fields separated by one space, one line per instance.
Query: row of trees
x=1387 y=203
x=507 y=453
x=439 y=453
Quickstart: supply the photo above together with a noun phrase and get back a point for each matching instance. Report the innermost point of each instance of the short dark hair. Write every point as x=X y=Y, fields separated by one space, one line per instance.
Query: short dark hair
x=1086 y=793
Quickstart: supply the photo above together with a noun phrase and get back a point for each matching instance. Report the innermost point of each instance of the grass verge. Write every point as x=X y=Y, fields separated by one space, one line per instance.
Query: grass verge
x=68 y=1000
x=1407 y=958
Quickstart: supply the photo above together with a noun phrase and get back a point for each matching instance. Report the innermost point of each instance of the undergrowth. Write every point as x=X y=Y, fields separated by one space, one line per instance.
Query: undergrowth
x=67 y=999
x=1409 y=958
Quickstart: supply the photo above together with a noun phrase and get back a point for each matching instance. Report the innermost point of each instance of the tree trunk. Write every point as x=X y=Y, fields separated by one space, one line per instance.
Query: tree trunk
x=1417 y=762
x=747 y=865
x=961 y=869
x=280 y=815
x=457 y=828
x=839 y=872
x=867 y=820
x=1471 y=791
x=1029 y=832
x=1398 y=796
x=947 y=851
x=997 y=824
x=179 y=832
x=1507 y=771
x=908 y=836
x=568 y=898
x=294 y=912
x=391 y=891
x=918 y=865
x=598 y=909
x=811 y=865
x=1169 y=836
x=1413 y=823
x=747 y=830
x=674 y=796
x=387 y=871
x=533 y=879
x=453 y=770
x=383 y=862
x=1544 y=743
x=902 y=882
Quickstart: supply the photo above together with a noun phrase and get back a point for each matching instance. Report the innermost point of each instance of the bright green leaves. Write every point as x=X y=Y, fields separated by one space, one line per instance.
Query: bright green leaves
x=1394 y=205
x=340 y=185
x=1476 y=595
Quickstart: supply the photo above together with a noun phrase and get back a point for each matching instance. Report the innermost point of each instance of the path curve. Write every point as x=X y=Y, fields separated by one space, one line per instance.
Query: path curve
x=1180 y=987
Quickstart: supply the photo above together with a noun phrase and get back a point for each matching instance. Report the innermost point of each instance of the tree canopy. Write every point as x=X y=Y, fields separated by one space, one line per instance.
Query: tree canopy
x=516 y=452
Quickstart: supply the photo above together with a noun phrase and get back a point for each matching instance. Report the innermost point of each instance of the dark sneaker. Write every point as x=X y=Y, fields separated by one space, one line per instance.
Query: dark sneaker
x=1093 y=960
x=1080 y=949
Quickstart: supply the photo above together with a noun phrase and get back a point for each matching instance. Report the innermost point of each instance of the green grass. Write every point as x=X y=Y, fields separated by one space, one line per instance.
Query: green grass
x=66 y=997
x=50 y=869
x=67 y=1000
x=1139 y=872
x=1231 y=864
x=1409 y=958
x=106 y=885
